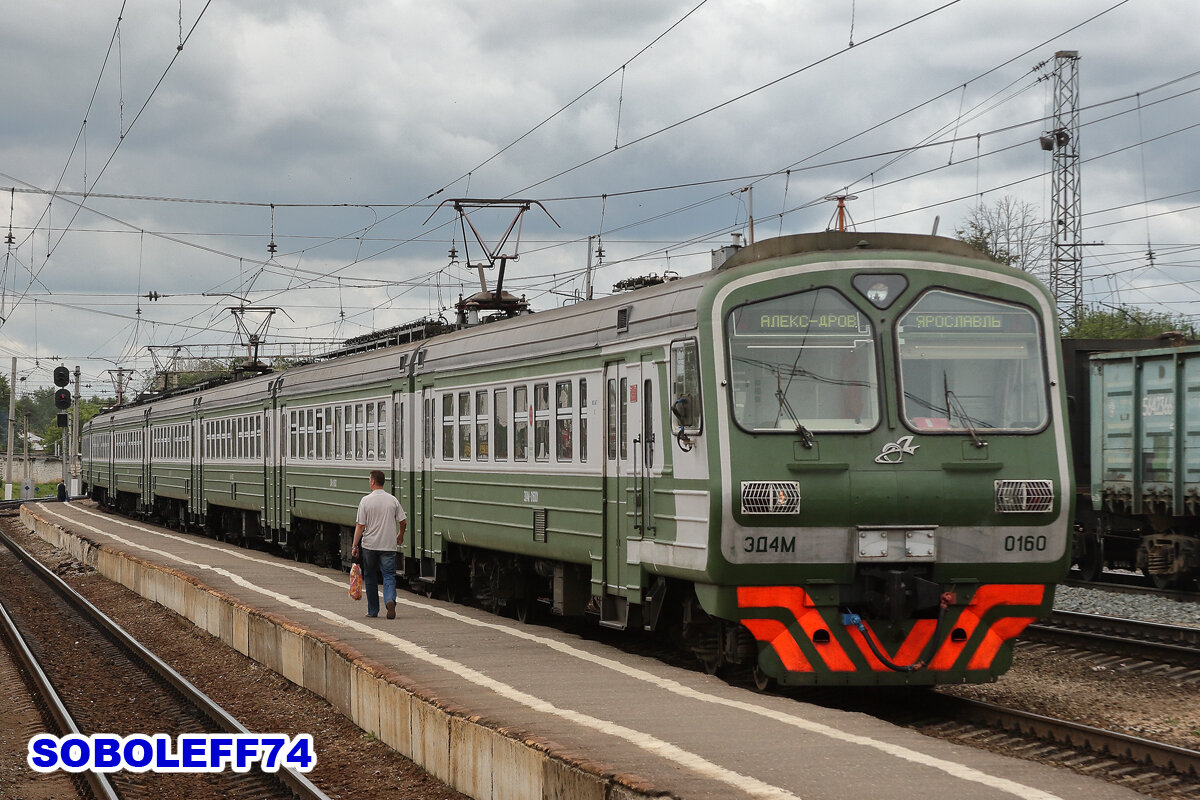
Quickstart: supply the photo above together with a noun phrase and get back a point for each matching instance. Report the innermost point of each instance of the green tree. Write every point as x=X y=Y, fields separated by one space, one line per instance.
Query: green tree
x=1126 y=322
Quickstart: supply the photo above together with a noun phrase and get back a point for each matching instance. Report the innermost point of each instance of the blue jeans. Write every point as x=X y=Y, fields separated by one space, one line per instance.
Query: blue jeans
x=374 y=562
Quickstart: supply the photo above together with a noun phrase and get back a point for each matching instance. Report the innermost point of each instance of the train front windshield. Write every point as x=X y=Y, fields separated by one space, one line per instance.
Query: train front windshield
x=806 y=359
x=971 y=364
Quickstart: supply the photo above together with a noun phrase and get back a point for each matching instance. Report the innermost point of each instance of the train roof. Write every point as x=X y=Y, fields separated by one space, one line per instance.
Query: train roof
x=842 y=241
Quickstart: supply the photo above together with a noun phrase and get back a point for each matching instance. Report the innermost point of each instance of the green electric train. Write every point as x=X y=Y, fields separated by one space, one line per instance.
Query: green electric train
x=835 y=458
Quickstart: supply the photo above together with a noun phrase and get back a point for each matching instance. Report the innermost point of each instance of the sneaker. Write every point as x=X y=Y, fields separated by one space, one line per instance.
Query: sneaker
x=391 y=607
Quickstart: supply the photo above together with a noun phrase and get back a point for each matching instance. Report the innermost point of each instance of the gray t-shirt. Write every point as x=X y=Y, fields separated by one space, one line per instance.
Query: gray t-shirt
x=379 y=513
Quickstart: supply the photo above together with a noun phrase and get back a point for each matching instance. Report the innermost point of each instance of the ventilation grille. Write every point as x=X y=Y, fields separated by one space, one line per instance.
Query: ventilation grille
x=539 y=524
x=770 y=497
x=1024 y=496
x=623 y=318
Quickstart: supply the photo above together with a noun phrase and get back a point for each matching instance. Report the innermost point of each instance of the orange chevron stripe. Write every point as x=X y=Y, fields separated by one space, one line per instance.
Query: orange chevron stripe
x=836 y=659
x=776 y=634
x=985 y=599
x=797 y=601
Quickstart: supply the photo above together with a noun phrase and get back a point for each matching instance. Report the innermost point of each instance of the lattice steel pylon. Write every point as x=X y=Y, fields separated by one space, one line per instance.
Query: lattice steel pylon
x=1066 y=259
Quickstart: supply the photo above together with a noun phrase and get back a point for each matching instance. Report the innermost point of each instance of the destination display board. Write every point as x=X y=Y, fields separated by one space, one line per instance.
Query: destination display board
x=823 y=311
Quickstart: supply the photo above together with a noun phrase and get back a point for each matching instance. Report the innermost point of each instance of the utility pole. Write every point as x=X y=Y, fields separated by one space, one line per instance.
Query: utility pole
x=12 y=429
x=1066 y=260
x=25 y=471
x=76 y=452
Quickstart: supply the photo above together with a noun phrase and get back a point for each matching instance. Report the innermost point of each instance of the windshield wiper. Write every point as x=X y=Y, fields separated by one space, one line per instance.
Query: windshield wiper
x=953 y=405
x=806 y=436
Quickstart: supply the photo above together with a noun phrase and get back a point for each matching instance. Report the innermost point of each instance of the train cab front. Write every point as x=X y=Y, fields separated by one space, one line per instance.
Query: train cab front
x=892 y=470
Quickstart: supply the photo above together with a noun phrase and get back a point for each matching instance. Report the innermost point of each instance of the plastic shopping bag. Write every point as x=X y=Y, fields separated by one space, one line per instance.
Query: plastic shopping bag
x=356 y=582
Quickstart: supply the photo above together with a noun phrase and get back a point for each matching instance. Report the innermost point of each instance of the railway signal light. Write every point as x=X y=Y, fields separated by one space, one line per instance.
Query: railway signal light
x=62 y=376
x=62 y=398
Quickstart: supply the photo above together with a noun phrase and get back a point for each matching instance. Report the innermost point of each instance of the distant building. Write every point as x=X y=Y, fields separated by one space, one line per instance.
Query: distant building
x=36 y=443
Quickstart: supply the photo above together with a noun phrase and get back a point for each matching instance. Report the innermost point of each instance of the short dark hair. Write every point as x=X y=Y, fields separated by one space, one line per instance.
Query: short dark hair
x=377 y=477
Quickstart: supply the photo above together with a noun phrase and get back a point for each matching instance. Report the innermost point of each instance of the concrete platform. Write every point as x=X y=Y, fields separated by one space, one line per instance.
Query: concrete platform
x=502 y=710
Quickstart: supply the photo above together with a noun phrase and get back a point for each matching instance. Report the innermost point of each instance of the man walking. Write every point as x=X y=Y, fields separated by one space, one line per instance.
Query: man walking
x=379 y=513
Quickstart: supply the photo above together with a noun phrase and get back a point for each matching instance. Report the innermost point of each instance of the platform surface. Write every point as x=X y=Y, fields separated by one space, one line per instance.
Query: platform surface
x=672 y=730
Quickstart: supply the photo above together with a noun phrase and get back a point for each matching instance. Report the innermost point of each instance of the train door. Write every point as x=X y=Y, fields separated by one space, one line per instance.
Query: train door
x=283 y=497
x=647 y=454
x=620 y=495
x=402 y=478
x=145 y=483
x=110 y=466
x=196 y=471
x=270 y=454
x=421 y=514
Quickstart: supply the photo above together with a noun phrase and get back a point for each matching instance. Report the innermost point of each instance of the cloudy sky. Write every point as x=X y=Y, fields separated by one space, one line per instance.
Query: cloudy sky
x=156 y=150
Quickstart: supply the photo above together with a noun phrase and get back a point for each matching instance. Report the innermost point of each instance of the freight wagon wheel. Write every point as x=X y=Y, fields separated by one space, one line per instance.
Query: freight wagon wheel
x=1169 y=581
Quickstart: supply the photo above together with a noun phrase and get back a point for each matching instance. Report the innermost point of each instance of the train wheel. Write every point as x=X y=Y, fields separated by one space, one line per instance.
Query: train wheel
x=1169 y=581
x=525 y=608
x=762 y=681
x=1091 y=560
x=712 y=662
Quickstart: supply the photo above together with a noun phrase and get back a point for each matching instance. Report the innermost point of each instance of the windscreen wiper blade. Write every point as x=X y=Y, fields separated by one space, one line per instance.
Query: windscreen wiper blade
x=806 y=436
x=954 y=405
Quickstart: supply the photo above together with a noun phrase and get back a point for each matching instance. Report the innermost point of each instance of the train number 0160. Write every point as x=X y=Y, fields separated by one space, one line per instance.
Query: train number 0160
x=1025 y=544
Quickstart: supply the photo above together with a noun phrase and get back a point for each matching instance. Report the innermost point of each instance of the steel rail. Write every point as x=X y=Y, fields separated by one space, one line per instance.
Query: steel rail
x=1150 y=640
x=1180 y=759
x=65 y=723
x=297 y=782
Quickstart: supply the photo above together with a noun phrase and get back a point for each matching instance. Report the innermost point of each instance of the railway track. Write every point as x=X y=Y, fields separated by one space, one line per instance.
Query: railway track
x=94 y=677
x=1155 y=768
x=1151 y=644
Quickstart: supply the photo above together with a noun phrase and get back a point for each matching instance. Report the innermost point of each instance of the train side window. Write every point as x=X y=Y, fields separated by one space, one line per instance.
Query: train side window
x=464 y=426
x=320 y=432
x=521 y=416
x=541 y=421
x=339 y=425
x=685 y=385
x=369 y=430
x=483 y=425
x=447 y=427
x=623 y=436
x=381 y=431
x=648 y=423
x=564 y=434
x=610 y=416
x=360 y=433
x=428 y=428
x=500 y=416
x=398 y=421
x=583 y=431
x=311 y=434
